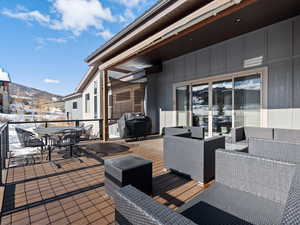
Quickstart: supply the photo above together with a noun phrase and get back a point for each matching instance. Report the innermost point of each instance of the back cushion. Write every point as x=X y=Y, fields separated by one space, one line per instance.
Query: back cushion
x=287 y=135
x=266 y=178
x=197 y=132
x=175 y=130
x=259 y=132
x=283 y=151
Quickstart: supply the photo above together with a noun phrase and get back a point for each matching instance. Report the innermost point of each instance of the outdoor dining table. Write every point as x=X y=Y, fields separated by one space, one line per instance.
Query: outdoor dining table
x=47 y=132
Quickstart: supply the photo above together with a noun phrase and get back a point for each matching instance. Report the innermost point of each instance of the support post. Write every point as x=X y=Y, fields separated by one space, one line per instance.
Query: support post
x=105 y=134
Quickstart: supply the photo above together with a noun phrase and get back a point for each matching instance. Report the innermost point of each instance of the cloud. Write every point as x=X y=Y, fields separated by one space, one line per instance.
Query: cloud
x=130 y=3
x=51 y=81
x=79 y=15
x=41 y=42
x=29 y=16
x=70 y=15
x=127 y=17
x=105 y=34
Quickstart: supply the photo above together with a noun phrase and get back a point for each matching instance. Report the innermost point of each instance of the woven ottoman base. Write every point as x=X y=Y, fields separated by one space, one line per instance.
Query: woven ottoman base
x=128 y=170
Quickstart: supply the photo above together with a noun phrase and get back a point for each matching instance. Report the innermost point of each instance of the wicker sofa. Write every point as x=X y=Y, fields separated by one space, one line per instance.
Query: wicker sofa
x=192 y=156
x=242 y=134
x=248 y=190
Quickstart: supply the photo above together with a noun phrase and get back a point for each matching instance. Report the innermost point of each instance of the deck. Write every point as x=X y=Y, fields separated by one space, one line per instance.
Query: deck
x=74 y=193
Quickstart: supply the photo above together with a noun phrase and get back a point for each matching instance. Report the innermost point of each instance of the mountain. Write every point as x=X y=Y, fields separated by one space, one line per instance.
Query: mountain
x=26 y=99
x=18 y=90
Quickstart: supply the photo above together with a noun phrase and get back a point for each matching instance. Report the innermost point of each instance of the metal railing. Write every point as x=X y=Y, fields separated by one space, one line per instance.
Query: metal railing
x=4 y=148
x=46 y=123
x=4 y=135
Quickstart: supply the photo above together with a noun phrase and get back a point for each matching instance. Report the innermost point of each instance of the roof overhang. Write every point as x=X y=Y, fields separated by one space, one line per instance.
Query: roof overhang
x=72 y=96
x=162 y=14
x=86 y=79
x=206 y=14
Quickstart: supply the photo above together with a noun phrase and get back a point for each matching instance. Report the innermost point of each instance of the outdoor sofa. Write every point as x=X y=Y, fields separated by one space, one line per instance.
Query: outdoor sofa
x=192 y=156
x=247 y=190
x=243 y=134
x=197 y=132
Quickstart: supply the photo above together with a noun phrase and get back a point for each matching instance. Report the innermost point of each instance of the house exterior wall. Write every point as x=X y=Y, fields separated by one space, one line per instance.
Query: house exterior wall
x=278 y=44
x=88 y=109
x=5 y=97
x=74 y=114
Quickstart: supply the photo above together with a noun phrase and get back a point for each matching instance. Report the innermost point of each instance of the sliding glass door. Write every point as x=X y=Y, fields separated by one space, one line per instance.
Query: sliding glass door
x=220 y=104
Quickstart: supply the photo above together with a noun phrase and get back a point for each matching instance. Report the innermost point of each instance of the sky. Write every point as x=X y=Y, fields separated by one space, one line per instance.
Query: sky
x=43 y=43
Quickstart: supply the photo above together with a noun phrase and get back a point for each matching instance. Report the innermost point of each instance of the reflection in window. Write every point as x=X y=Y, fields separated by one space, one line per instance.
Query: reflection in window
x=200 y=106
x=222 y=107
x=182 y=105
x=247 y=100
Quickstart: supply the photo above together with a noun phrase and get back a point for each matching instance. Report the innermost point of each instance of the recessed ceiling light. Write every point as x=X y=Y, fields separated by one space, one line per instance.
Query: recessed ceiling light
x=237 y=20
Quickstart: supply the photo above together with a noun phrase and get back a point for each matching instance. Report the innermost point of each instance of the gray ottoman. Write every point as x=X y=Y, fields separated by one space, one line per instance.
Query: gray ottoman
x=126 y=170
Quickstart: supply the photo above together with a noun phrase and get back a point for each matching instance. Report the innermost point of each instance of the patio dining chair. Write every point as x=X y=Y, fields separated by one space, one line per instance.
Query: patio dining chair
x=28 y=139
x=87 y=133
x=66 y=139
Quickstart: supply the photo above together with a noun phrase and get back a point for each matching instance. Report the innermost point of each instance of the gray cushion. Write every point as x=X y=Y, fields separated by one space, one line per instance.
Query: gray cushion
x=283 y=151
x=263 y=177
x=287 y=135
x=221 y=204
x=175 y=130
x=116 y=166
x=259 y=132
x=197 y=132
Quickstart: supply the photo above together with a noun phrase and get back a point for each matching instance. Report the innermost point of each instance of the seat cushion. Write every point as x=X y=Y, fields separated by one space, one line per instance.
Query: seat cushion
x=221 y=204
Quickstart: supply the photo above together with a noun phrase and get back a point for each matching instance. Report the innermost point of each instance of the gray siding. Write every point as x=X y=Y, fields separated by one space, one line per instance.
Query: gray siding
x=279 y=44
x=74 y=114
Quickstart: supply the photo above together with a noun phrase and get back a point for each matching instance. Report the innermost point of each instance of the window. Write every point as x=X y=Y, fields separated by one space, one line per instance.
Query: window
x=95 y=87
x=74 y=105
x=95 y=107
x=124 y=96
x=87 y=103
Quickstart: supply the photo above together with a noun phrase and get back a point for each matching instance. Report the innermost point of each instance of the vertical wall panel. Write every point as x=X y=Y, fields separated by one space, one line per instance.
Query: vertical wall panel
x=203 y=62
x=296 y=83
x=235 y=54
x=296 y=36
x=280 y=85
x=178 y=69
x=280 y=40
x=218 y=59
x=190 y=66
x=255 y=44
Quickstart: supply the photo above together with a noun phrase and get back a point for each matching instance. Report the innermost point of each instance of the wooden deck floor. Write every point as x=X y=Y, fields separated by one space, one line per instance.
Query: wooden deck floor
x=74 y=193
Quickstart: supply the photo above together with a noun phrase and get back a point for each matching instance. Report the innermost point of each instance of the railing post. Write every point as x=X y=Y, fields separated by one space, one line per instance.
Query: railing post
x=7 y=140
x=77 y=123
x=46 y=124
x=105 y=131
x=1 y=160
x=100 y=129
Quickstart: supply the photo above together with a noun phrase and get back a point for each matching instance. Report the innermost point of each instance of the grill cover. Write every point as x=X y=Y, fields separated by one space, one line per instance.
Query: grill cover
x=134 y=125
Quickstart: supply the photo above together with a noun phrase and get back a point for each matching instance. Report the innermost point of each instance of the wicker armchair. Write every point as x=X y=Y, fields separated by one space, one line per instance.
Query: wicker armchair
x=248 y=190
x=192 y=156
x=28 y=139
